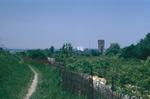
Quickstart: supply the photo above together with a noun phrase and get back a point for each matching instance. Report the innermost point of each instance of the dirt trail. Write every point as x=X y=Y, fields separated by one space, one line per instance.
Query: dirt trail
x=33 y=86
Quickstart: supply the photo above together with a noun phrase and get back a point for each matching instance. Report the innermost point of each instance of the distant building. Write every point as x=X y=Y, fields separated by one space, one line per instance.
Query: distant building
x=80 y=48
x=101 y=46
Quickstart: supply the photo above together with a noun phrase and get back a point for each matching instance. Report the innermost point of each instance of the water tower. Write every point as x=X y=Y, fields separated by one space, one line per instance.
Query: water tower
x=101 y=46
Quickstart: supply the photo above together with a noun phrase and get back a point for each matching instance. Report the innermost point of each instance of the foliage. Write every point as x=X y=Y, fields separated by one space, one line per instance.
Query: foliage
x=141 y=50
x=113 y=49
x=50 y=84
x=36 y=54
x=95 y=52
x=1 y=49
x=129 y=52
x=123 y=65
x=14 y=77
x=64 y=52
x=67 y=50
x=147 y=62
x=49 y=52
x=124 y=71
x=91 y=52
x=52 y=49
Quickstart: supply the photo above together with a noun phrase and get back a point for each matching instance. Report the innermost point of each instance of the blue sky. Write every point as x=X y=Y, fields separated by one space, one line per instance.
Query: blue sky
x=42 y=23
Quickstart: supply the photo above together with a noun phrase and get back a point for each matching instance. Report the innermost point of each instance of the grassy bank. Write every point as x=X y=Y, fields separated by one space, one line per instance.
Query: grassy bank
x=49 y=84
x=14 y=77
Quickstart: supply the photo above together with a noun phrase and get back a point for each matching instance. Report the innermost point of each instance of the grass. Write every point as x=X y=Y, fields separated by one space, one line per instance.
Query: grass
x=49 y=86
x=14 y=77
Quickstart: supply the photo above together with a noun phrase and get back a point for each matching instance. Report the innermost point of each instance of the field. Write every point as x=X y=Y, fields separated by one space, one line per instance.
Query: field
x=49 y=84
x=14 y=77
x=126 y=70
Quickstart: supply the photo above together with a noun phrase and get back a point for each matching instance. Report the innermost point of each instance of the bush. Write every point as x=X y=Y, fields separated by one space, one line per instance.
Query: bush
x=147 y=62
x=141 y=50
x=113 y=49
x=37 y=54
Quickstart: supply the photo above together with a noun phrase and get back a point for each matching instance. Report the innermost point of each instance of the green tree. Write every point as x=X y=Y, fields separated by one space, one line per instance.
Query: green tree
x=52 y=49
x=147 y=62
x=113 y=49
x=37 y=54
x=143 y=47
x=67 y=49
x=141 y=50
x=129 y=52
x=95 y=52
x=1 y=49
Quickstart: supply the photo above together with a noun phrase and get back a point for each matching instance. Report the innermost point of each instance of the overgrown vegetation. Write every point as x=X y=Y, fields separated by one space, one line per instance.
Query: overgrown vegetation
x=141 y=50
x=14 y=76
x=49 y=86
x=125 y=72
x=128 y=68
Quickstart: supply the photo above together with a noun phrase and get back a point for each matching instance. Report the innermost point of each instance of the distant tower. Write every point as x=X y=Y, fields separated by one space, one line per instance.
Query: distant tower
x=101 y=45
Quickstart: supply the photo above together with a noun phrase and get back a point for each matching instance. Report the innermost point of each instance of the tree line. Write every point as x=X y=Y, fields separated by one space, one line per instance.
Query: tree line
x=141 y=50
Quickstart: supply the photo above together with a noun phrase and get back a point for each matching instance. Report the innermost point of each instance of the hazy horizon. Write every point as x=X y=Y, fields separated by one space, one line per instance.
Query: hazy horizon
x=42 y=23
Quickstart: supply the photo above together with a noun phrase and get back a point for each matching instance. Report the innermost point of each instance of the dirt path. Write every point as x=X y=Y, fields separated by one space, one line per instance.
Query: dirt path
x=33 y=86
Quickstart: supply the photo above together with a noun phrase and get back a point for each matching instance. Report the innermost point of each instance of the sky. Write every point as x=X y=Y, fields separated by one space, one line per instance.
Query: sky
x=42 y=23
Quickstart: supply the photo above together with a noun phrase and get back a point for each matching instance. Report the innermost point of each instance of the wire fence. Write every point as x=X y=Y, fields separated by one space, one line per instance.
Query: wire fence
x=82 y=85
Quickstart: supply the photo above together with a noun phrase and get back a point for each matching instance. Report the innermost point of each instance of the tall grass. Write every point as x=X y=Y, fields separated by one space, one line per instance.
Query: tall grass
x=14 y=77
x=49 y=86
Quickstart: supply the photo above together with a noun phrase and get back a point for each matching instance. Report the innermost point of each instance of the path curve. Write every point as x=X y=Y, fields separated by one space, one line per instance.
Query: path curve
x=33 y=86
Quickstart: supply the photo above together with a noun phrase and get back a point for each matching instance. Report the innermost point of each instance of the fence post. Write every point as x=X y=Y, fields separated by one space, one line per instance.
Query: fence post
x=91 y=91
x=112 y=87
